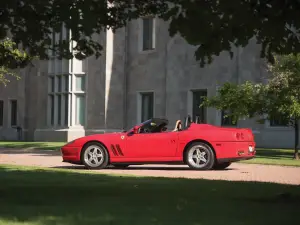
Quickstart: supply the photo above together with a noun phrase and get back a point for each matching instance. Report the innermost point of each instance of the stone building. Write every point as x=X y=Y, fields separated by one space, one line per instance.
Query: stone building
x=142 y=73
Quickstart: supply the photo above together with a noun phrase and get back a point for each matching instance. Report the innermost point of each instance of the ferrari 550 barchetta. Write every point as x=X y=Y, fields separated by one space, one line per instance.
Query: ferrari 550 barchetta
x=200 y=146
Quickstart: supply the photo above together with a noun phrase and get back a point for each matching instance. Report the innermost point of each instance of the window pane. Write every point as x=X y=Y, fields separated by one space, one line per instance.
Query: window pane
x=80 y=110
x=147 y=106
x=66 y=83
x=66 y=109
x=65 y=66
x=147 y=33
x=51 y=80
x=52 y=109
x=13 y=112
x=80 y=83
x=277 y=121
x=59 y=109
x=197 y=110
x=1 y=112
x=59 y=81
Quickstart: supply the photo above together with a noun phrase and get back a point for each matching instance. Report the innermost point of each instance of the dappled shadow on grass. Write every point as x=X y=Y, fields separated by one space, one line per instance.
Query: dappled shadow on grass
x=61 y=197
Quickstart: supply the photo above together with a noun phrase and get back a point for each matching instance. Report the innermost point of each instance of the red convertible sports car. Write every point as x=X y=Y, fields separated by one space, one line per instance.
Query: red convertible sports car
x=200 y=146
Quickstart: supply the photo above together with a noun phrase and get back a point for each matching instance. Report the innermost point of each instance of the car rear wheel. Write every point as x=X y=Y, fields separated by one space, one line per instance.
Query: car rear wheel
x=94 y=156
x=221 y=166
x=200 y=156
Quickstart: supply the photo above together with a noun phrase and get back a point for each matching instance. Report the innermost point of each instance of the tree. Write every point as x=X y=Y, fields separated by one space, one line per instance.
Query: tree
x=221 y=24
x=224 y=24
x=279 y=97
x=31 y=23
x=11 y=58
x=283 y=92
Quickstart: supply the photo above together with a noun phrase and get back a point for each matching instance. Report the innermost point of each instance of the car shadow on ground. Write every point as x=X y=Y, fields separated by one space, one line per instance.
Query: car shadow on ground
x=153 y=168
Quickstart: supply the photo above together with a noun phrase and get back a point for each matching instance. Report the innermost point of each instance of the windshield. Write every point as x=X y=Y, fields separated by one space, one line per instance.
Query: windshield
x=142 y=124
x=145 y=122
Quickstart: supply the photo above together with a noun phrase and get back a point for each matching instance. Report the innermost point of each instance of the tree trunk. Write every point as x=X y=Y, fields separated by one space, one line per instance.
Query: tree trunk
x=296 y=127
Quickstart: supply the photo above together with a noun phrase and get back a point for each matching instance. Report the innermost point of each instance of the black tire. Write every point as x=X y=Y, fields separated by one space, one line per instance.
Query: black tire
x=209 y=156
x=85 y=156
x=221 y=166
x=121 y=166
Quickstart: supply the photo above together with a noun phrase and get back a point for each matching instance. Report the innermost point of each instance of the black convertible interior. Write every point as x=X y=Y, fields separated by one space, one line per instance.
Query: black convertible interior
x=157 y=125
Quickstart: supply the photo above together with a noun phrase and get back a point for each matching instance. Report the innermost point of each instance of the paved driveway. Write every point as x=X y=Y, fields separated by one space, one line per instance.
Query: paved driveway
x=236 y=172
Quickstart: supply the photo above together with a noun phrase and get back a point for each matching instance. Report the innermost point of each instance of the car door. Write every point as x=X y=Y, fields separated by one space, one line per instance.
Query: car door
x=152 y=145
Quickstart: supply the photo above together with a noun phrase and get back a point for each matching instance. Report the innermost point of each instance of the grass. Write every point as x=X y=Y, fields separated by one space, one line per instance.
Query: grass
x=34 y=196
x=32 y=145
x=283 y=157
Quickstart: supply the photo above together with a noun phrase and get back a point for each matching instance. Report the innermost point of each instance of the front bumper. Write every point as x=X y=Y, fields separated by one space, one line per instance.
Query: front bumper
x=70 y=154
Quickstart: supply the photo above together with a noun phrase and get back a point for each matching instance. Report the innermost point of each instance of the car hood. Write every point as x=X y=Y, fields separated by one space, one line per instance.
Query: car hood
x=104 y=135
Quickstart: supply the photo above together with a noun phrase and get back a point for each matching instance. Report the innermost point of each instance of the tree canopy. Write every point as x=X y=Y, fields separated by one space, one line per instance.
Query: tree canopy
x=11 y=58
x=211 y=25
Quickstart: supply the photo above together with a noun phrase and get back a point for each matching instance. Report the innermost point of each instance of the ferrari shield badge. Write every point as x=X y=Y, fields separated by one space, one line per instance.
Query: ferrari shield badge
x=122 y=137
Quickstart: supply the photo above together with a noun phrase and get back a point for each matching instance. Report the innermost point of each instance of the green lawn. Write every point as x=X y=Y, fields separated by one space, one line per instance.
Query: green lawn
x=32 y=145
x=282 y=157
x=34 y=196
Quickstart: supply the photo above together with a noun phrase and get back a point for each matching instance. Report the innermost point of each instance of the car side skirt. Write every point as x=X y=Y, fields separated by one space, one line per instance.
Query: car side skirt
x=175 y=162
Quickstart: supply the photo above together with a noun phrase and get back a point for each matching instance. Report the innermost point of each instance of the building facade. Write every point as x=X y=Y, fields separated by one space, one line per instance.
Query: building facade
x=142 y=73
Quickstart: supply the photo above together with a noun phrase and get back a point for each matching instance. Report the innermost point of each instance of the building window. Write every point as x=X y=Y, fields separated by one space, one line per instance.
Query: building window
x=51 y=102
x=66 y=88
x=80 y=83
x=80 y=102
x=13 y=112
x=147 y=106
x=148 y=34
x=226 y=120
x=58 y=84
x=277 y=121
x=1 y=113
x=80 y=110
x=198 y=111
x=59 y=99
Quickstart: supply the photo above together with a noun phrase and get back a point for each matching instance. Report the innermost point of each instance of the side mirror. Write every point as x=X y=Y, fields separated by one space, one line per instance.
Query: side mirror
x=135 y=129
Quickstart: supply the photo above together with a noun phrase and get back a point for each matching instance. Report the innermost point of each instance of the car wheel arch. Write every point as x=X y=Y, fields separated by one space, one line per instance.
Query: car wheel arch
x=96 y=142
x=194 y=141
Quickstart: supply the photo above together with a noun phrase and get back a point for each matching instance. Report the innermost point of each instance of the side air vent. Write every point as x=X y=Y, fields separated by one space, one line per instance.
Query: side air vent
x=119 y=150
x=116 y=149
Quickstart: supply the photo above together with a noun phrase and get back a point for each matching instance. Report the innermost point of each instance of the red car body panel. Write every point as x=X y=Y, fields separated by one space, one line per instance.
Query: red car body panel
x=229 y=144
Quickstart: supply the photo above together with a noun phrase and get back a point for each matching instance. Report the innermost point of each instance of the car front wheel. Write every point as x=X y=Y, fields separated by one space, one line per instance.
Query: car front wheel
x=200 y=156
x=94 y=156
